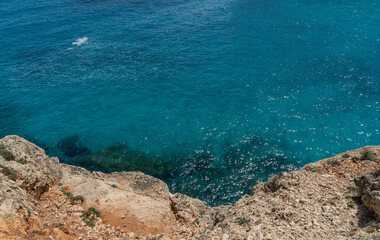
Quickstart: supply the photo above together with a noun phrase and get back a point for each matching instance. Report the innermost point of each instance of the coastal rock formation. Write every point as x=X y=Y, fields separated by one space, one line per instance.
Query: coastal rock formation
x=127 y=201
x=369 y=188
x=41 y=198
x=320 y=201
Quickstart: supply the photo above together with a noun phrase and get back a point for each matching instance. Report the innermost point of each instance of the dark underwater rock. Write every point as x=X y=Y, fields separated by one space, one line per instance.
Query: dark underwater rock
x=71 y=146
x=120 y=157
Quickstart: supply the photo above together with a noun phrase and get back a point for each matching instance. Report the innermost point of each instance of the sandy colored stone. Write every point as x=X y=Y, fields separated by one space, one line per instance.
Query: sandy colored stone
x=369 y=188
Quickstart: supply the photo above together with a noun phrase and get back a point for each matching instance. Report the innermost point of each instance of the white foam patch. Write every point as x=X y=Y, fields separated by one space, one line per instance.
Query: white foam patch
x=80 y=41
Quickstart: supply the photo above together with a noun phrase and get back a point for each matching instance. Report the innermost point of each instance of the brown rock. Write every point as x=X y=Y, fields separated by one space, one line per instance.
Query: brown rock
x=369 y=188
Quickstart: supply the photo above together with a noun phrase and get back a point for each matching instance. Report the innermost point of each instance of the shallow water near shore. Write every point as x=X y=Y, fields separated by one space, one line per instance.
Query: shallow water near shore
x=228 y=92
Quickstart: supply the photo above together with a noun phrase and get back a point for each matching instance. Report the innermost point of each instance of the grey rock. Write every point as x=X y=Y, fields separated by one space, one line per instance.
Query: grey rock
x=369 y=188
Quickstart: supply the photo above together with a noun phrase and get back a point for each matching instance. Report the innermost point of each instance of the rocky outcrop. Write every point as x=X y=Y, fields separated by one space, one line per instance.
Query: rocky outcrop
x=130 y=202
x=35 y=170
x=41 y=198
x=369 y=188
x=320 y=201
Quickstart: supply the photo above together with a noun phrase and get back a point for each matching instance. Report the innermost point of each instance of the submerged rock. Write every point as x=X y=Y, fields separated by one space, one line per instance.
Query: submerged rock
x=120 y=157
x=71 y=146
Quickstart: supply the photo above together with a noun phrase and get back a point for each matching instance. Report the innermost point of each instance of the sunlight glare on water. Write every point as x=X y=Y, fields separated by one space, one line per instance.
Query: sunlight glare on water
x=229 y=92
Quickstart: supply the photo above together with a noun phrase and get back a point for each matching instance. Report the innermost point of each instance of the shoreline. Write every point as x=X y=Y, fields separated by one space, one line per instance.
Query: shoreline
x=45 y=199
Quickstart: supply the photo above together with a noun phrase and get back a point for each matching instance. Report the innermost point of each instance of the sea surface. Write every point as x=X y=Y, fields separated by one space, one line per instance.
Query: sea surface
x=228 y=91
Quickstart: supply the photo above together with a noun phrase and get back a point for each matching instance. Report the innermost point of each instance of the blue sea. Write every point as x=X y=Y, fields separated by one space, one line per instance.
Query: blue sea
x=229 y=91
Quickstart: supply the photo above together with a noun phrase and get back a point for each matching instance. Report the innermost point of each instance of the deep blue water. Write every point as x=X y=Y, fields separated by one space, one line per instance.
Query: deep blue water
x=248 y=88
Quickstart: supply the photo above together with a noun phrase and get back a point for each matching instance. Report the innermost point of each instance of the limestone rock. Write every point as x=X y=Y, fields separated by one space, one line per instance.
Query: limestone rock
x=186 y=208
x=369 y=187
x=132 y=201
x=31 y=165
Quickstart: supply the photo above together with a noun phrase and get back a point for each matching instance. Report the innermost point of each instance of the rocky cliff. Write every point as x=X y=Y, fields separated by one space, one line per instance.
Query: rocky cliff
x=40 y=198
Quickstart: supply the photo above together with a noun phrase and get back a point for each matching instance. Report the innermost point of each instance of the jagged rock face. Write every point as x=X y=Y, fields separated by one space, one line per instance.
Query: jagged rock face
x=33 y=171
x=187 y=209
x=26 y=176
x=369 y=187
x=31 y=165
x=312 y=203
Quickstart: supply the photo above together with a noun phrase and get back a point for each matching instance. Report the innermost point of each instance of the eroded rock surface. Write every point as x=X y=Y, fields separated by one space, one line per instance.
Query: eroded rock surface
x=41 y=198
x=369 y=188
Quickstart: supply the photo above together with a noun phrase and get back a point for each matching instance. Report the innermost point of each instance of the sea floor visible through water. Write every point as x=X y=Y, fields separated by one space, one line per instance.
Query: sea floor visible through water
x=211 y=96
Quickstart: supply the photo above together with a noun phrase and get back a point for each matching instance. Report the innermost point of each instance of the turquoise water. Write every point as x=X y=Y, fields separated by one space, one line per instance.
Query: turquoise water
x=230 y=91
